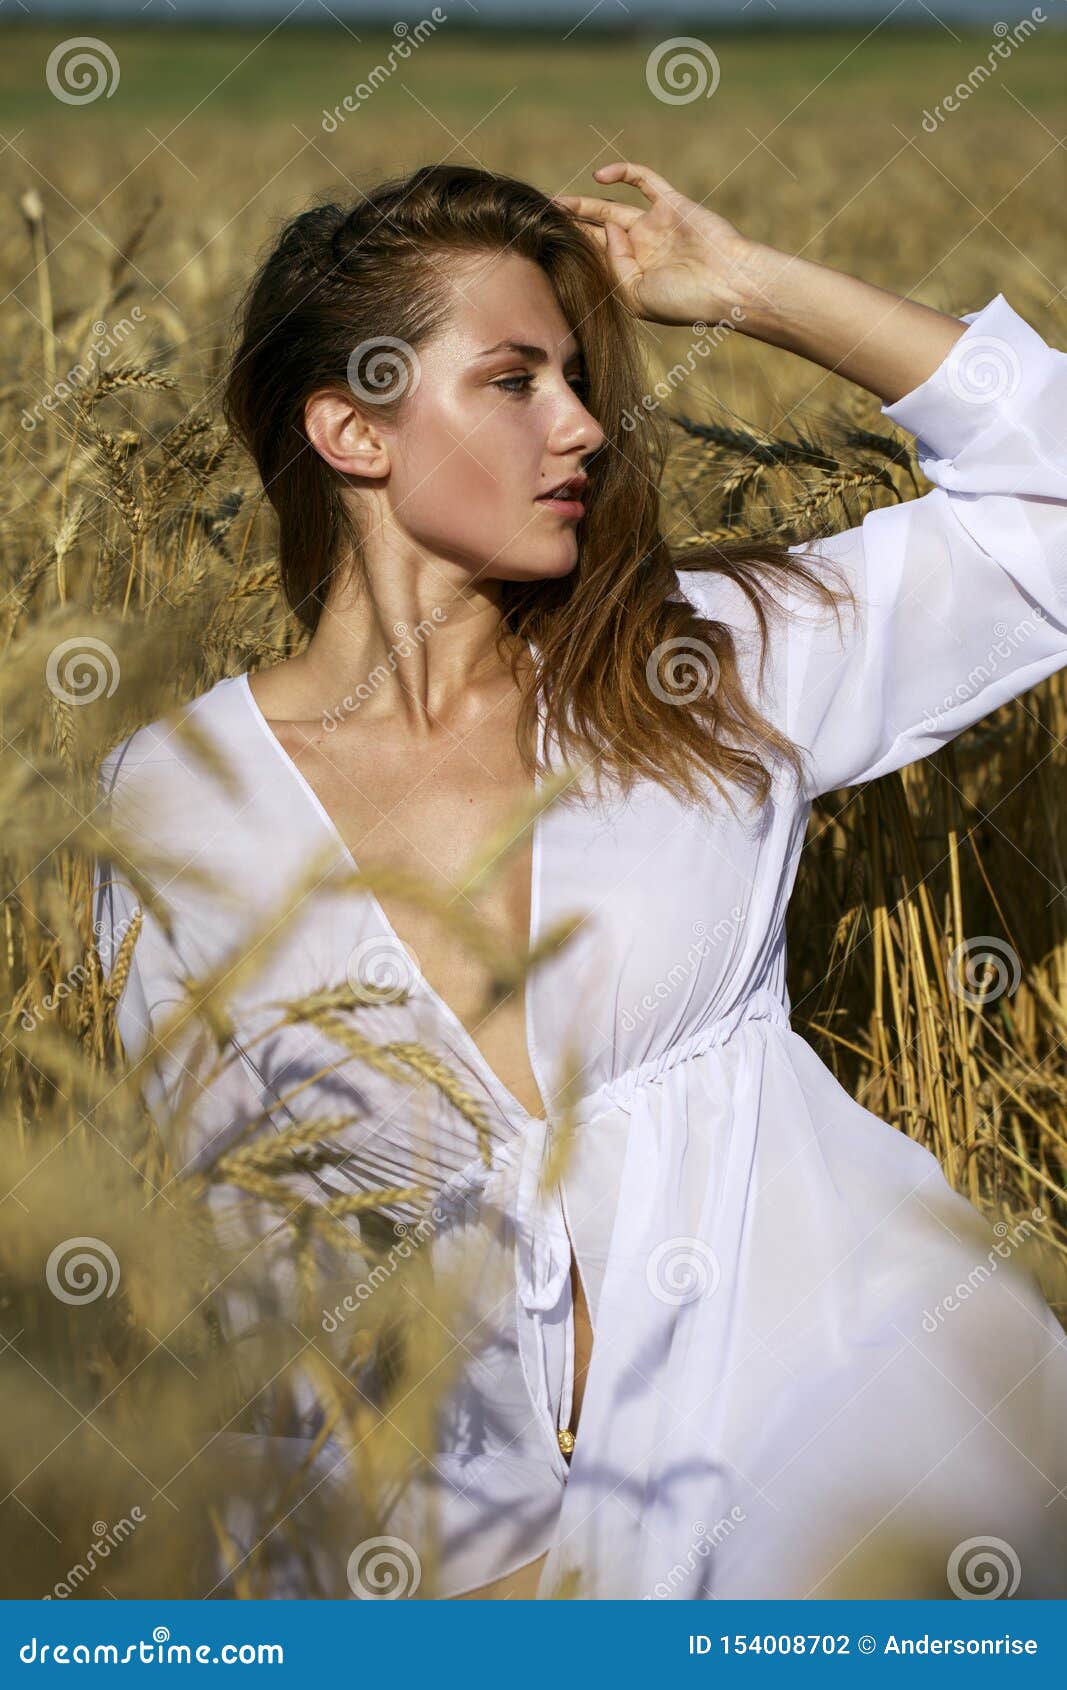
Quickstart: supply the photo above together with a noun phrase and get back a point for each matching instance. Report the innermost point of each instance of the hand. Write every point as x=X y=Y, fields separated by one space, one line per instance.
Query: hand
x=674 y=262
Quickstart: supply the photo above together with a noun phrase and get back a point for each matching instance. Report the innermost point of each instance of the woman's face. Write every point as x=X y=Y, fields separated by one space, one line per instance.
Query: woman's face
x=489 y=428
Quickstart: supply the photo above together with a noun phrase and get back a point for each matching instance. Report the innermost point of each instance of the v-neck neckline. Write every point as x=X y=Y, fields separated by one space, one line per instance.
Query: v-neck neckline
x=507 y=1100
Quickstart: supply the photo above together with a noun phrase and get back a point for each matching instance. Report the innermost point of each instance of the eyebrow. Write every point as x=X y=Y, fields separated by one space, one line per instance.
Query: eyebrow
x=534 y=354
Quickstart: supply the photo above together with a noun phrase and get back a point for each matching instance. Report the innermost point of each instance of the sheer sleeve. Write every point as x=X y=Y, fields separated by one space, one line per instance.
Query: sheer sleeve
x=200 y=1098
x=200 y=1105
x=960 y=594
x=154 y=982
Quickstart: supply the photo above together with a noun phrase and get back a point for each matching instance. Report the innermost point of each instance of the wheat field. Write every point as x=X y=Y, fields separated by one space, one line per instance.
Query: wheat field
x=928 y=928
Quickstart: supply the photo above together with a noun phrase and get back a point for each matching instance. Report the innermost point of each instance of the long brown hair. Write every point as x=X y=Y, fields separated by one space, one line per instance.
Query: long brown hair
x=370 y=274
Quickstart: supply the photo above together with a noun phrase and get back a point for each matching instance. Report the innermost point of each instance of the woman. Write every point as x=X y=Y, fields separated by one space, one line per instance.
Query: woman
x=716 y=1374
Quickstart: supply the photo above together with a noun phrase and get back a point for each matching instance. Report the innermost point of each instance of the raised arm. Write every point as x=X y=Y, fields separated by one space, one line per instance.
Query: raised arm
x=960 y=594
x=677 y=261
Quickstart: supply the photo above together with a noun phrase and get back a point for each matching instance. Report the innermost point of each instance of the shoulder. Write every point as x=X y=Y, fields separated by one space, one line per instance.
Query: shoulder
x=709 y=591
x=773 y=652
x=164 y=767
x=799 y=601
x=723 y=598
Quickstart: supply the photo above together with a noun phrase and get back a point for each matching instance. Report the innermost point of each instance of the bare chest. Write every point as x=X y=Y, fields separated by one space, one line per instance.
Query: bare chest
x=426 y=814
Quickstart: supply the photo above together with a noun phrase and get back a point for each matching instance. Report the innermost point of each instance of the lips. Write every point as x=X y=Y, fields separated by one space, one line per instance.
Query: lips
x=565 y=505
x=567 y=491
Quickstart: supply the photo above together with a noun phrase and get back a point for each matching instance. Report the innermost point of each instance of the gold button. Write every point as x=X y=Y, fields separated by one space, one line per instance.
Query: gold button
x=566 y=1440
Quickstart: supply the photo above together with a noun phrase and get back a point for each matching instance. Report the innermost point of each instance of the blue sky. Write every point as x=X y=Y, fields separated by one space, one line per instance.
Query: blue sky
x=605 y=13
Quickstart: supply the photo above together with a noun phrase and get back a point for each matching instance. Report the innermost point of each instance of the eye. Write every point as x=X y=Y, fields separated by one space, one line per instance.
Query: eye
x=520 y=384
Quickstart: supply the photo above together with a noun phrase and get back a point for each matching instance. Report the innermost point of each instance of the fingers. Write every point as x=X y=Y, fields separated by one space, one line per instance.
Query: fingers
x=599 y=211
x=653 y=187
x=598 y=234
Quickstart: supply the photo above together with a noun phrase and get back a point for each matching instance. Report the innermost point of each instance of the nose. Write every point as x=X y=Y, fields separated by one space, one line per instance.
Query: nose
x=577 y=430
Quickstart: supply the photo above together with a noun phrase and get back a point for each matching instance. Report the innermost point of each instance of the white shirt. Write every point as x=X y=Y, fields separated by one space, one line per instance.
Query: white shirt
x=779 y=1396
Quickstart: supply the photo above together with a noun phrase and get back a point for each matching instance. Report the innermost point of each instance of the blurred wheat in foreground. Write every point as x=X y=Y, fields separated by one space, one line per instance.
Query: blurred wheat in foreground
x=927 y=935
